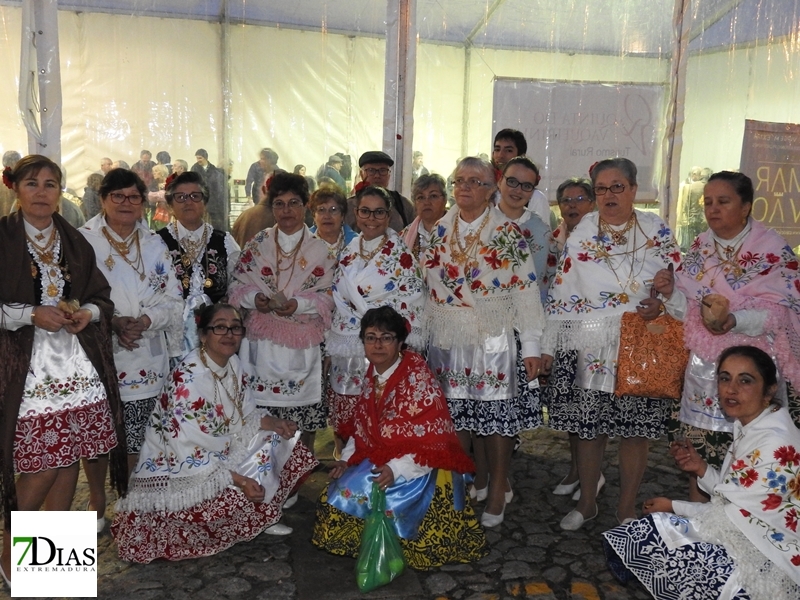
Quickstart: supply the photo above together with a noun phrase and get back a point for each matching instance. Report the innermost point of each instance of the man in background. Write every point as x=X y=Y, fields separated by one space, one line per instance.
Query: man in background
x=376 y=169
x=258 y=172
x=217 y=207
x=332 y=169
x=417 y=168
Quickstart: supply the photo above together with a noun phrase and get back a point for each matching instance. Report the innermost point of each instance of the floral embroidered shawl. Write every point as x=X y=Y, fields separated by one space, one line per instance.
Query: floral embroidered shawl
x=768 y=281
x=760 y=481
x=586 y=301
x=410 y=418
x=467 y=304
x=256 y=271
x=391 y=278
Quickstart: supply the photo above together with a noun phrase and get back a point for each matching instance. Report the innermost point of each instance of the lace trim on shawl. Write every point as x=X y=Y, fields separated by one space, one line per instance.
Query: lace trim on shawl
x=173 y=493
x=449 y=326
x=580 y=335
x=759 y=576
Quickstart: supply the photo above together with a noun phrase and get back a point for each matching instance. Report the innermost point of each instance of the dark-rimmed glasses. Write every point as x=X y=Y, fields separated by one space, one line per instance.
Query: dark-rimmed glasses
x=616 y=188
x=119 y=198
x=224 y=329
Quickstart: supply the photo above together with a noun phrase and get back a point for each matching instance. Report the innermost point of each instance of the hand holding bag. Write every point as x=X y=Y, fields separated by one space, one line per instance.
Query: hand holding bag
x=380 y=558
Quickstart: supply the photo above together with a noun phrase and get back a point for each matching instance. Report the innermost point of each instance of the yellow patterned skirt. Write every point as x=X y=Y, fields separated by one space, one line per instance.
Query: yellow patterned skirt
x=446 y=535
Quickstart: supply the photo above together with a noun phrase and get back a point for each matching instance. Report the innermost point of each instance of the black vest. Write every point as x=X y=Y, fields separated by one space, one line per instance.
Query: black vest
x=215 y=260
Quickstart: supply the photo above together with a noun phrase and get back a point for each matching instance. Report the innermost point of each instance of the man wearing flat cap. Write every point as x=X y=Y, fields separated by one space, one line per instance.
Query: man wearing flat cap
x=376 y=169
x=331 y=170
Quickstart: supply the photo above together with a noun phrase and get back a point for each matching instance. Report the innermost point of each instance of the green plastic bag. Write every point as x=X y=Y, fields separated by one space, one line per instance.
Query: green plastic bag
x=380 y=558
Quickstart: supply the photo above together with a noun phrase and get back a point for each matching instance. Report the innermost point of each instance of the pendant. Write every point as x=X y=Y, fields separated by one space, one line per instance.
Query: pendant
x=634 y=286
x=39 y=236
x=623 y=298
x=185 y=282
x=303 y=263
x=650 y=243
x=52 y=272
x=738 y=271
x=185 y=261
x=109 y=262
x=208 y=283
x=34 y=271
x=52 y=290
x=141 y=276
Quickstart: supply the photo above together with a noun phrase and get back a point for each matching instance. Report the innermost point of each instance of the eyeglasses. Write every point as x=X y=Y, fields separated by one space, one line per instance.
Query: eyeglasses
x=435 y=197
x=119 y=198
x=181 y=198
x=294 y=203
x=470 y=183
x=516 y=183
x=576 y=199
x=224 y=329
x=323 y=210
x=379 y=213
x=382 y=171
x=386 y=338
x=617 y=188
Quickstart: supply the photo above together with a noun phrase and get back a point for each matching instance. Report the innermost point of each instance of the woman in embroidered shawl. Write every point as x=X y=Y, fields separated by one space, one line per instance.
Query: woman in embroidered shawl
x=213 y=471
x=376 y=269
x=484 y=315
x=328 y=206
x=753 y=271
x=404 y=440
x=283 y=279
x=147 y=311
x=58 y=388
x=744 y=543
x=429 y=193
x=606 y=269
x=204 y=257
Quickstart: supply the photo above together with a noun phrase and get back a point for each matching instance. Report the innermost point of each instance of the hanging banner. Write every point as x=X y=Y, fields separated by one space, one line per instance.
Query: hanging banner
x=570 y=126
x=771 y=158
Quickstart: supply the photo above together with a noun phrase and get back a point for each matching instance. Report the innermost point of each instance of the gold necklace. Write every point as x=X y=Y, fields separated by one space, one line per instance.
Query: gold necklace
x=193 y=248
x=48 y=258
x=368 y=256
x=619 y=237
x=292 y=254
x=235 y=399
x=461 y=254
x=45 y=253
x=631 y=282
x=123 y=248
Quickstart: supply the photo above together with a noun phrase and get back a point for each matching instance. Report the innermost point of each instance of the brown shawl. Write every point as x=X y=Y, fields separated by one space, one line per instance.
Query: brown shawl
x=88 y=285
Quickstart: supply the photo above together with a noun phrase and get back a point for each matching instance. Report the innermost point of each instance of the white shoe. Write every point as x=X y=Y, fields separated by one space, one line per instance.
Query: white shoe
x=509 y=493
x=101 y=524
x=290 y=501
x=565 y=489
x=278 y=529
x=490 y=520
x=3 y=573
x=479 y=495
x=600 y=483
x=575 y=520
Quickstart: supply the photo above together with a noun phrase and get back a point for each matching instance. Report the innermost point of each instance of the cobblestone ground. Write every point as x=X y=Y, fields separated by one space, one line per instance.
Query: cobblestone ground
x=530 y=556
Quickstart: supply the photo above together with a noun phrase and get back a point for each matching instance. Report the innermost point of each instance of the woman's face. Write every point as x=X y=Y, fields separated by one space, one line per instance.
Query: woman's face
x=573 y=205
x=301 y=171
x=328 y=218
x=289 y=210
x=515 y=197
x=725 y=212
x=189 y=212
x=222 y=347
x=372 y=226
x=615 y=208
x=473 y=189
x=381 y=348
x=38 y=196
x=430 y=205
x=741 y=389
x=129 y=210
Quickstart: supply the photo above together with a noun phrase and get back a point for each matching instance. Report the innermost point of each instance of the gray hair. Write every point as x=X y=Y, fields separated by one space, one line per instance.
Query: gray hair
x=424 y=181
x=623 y=164
x=580 y=182
x=474 y=162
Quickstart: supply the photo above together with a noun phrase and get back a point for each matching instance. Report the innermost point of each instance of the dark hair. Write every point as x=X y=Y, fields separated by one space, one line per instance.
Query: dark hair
x=117 y=179
x=623 y=164
x=384 y=318
x=186 y=177
x=424 y=181
x=206 y=313
x=202 y=152
x=762 y=361
x=741 y=184
x=29 y=166
x=269 y=154
x=515 y=136
x=580 y=182
x=283 y=182
x=143 y=152
x=297 y=168
x=525 y=162
x=326 y=192
x=163 y=157
x=374 y=190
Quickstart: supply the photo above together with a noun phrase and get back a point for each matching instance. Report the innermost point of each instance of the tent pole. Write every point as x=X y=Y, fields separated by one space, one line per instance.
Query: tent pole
x=225 y=71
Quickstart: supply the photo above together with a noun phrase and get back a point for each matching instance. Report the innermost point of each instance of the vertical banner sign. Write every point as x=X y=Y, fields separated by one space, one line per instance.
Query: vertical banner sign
x=771 y=158
x=570 y=126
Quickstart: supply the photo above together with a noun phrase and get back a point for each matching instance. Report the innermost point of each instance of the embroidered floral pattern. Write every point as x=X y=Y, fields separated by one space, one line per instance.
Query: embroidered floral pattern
x=139 y=379
x=287 y=387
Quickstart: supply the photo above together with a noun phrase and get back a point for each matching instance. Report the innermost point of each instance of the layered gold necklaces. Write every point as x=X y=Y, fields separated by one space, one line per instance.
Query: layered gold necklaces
x=619 y=237
x=192 y=252
x=462 y=254
x=291 y=255
x=368 y=256
x=45 y=253
x=730 y=261
x=47 y=257
x=124 y=248
x=235 y=399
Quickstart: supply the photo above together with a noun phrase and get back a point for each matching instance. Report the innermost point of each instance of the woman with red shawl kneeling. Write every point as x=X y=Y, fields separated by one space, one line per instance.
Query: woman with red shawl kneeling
x=404 y=441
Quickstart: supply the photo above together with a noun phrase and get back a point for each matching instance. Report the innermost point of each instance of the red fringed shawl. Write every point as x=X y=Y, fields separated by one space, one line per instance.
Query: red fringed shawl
x=411 y=418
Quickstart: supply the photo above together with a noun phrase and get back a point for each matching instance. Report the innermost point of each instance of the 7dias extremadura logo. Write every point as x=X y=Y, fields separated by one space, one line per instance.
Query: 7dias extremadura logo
x=53 y=554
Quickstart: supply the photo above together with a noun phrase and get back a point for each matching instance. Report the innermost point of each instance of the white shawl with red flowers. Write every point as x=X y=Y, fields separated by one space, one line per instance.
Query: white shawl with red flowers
x=495 y=292
x=310 y=279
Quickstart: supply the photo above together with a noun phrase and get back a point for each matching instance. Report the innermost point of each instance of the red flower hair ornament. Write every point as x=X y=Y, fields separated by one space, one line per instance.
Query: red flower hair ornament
x=8 y=179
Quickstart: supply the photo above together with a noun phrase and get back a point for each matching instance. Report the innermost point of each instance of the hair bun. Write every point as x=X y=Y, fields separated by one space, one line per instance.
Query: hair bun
x=8 y=178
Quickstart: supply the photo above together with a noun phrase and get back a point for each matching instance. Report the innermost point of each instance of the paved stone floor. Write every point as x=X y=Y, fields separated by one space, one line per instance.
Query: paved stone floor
x=530 y=556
